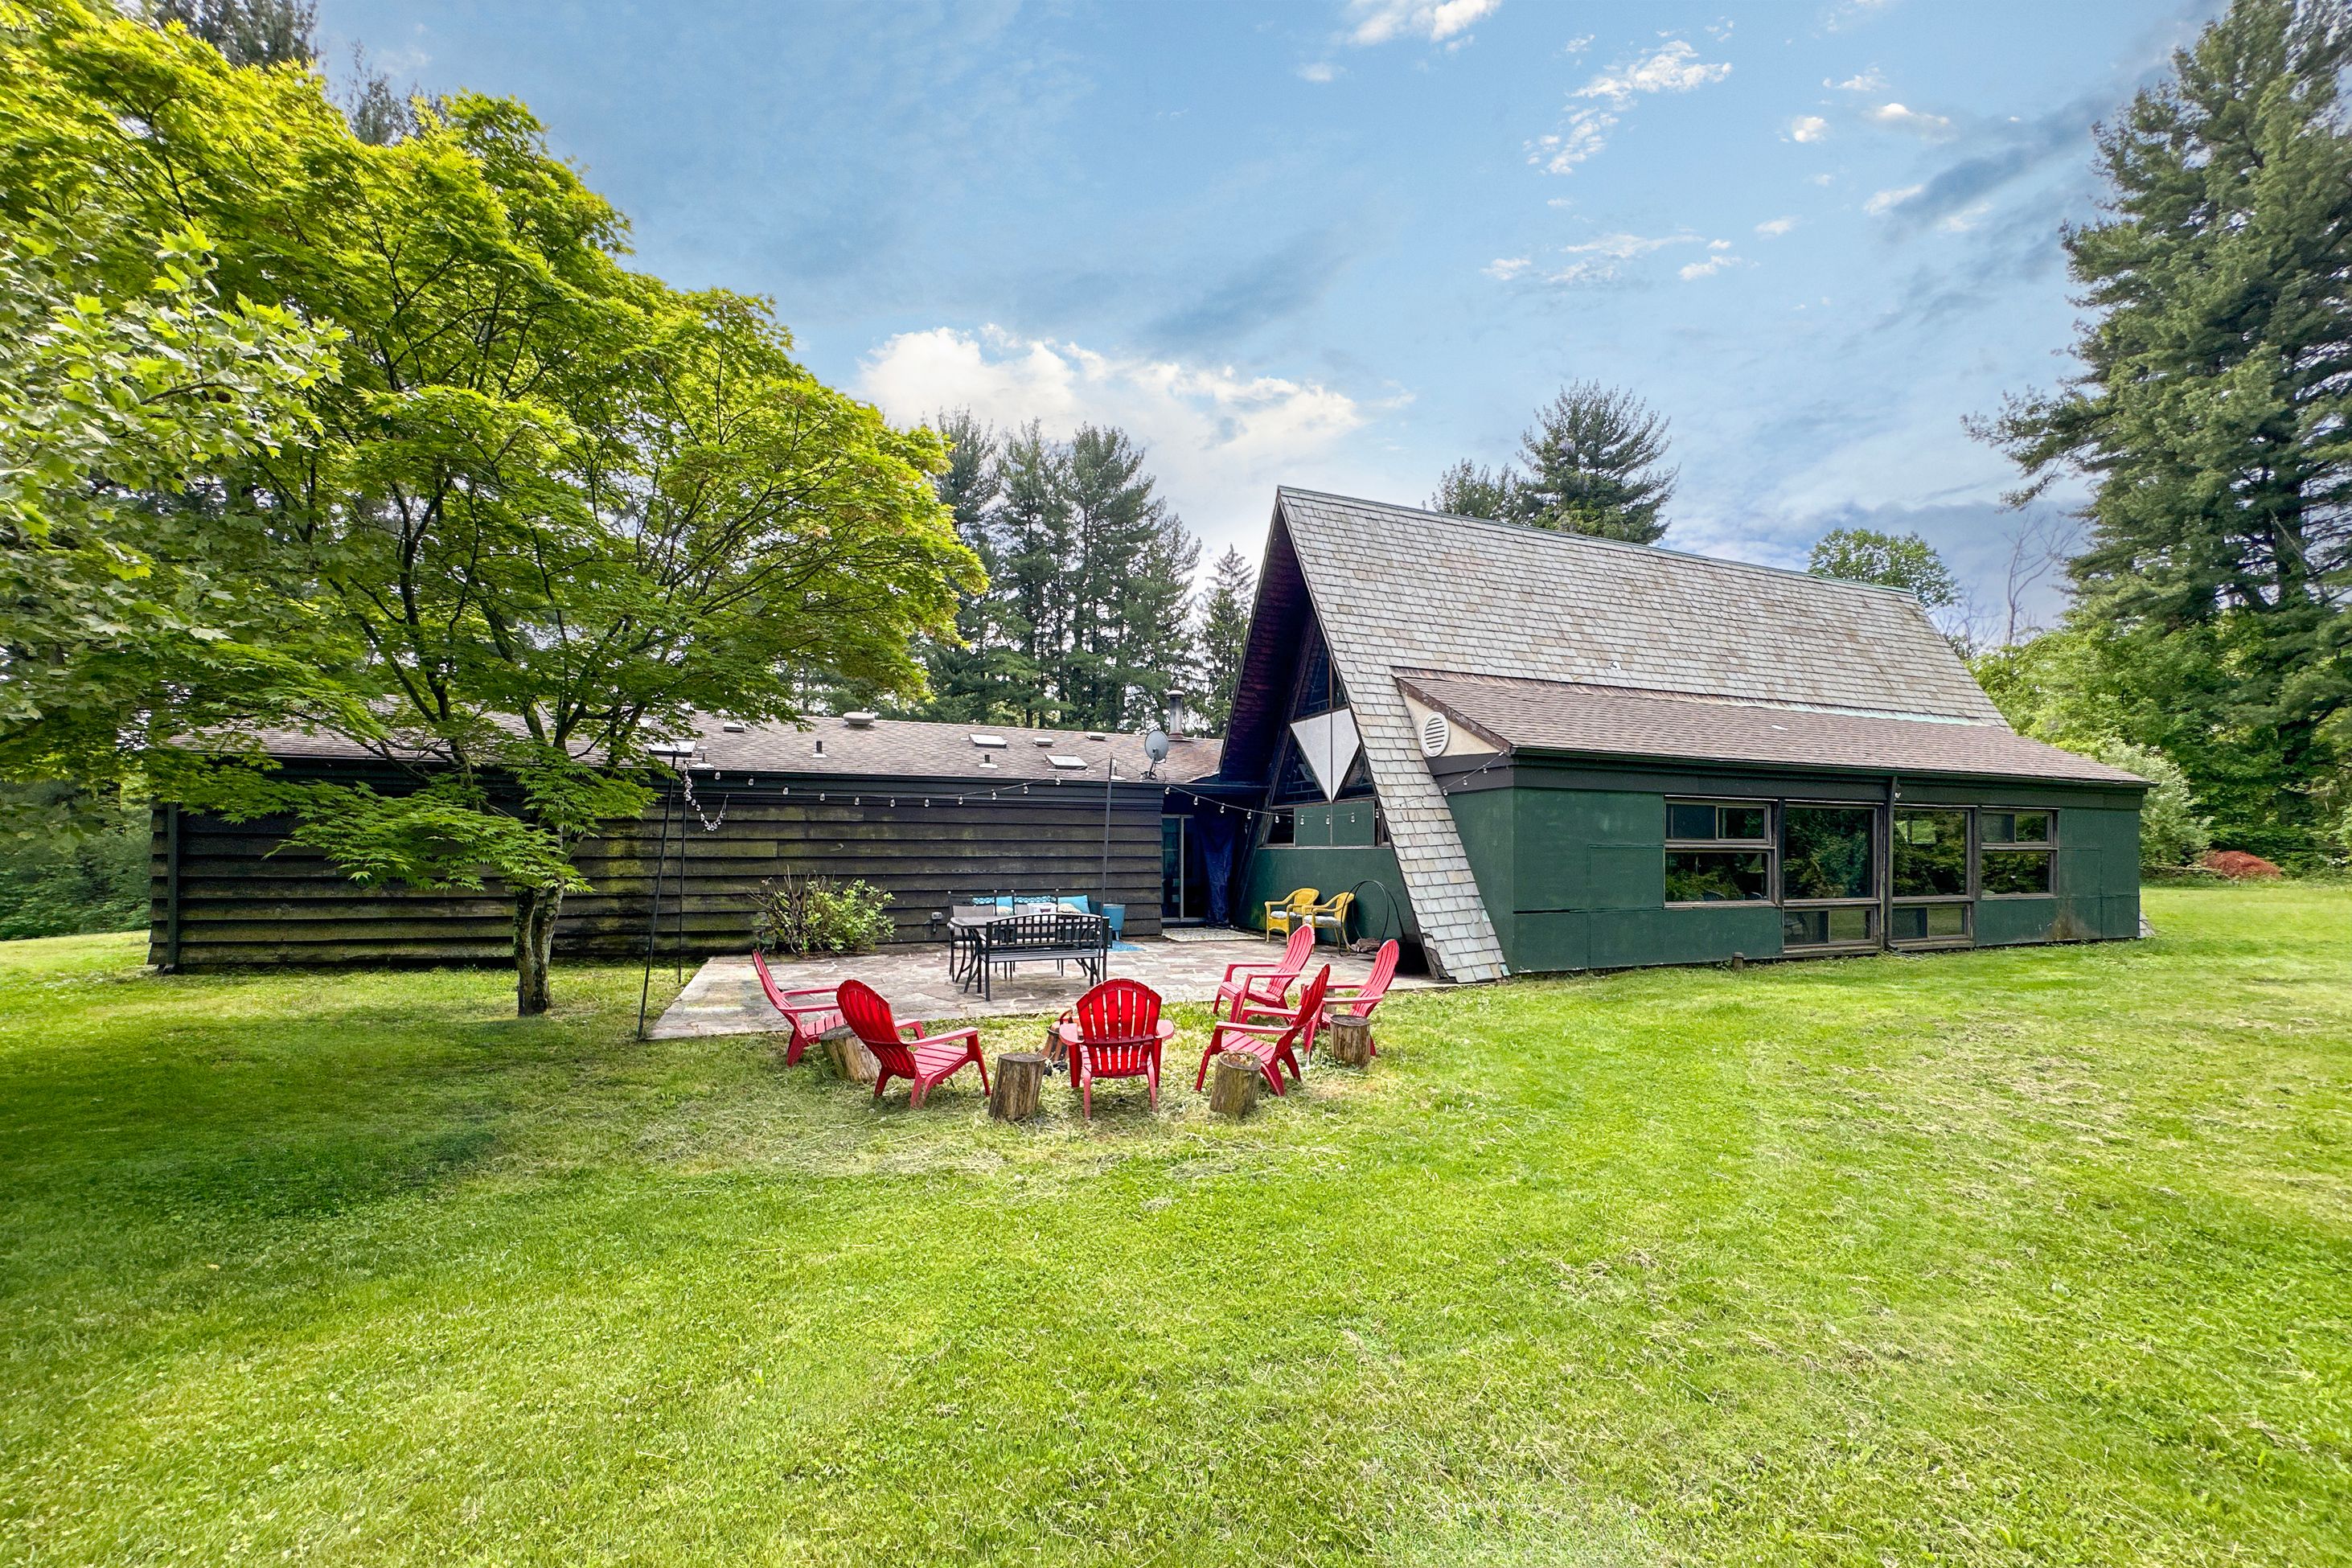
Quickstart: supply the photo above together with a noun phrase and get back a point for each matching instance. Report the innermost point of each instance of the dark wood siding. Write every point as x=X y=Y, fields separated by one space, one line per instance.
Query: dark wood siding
x=245 y=896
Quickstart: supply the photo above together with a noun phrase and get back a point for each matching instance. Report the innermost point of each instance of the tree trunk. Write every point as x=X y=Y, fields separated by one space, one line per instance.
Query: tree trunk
x=1351 y=1039
x=852 y=1062
x=534 y=946
x=1020 y=1076
x=1232 y=1084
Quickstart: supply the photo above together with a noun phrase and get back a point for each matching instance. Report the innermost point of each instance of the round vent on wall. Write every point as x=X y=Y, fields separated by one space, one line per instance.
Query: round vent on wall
x=1436 y=733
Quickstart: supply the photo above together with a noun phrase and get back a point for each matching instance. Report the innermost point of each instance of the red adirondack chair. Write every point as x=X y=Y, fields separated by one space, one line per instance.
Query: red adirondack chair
x=1267 y=983
x=1115 y=1032
x=1339 y=1000
x=924 y=1060
x=1274 y=1045
x=809 y=1010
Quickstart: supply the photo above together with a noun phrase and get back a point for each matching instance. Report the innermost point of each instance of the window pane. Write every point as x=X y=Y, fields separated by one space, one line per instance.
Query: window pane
x=1931 y=854
x=1743 y=822
x=2017 y=872
x=1822 y=928
x=1826 y=852
x=1928 y=922
x=2032 y=827
x=1714 y=876
x=1686 y=819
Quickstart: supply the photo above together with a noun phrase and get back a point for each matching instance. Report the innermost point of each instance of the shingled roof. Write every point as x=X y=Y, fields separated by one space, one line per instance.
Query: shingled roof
x=1602 y=721
x=1398 y=589
x=885 y=748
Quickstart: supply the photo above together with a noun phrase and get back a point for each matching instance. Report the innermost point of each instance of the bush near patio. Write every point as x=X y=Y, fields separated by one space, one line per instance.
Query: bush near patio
x=2038 y=1255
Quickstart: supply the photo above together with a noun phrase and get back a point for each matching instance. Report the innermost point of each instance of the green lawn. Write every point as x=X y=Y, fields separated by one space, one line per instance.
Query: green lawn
x=2041 y=1256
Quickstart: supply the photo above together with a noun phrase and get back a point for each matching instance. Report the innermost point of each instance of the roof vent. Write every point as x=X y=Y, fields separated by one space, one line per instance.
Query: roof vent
x=1436 y=734
x=986 y=761
x=1043 y=741
x=734 y=726
x=1096 y=735
x=989 y=743
x=1060 y=761
x=858 y=720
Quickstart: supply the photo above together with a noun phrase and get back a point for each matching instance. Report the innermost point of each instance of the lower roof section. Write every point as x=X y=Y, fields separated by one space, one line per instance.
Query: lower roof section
x=1607 y=721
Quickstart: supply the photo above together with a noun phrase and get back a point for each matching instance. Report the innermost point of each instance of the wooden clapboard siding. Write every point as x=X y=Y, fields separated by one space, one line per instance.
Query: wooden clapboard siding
x=229 y=894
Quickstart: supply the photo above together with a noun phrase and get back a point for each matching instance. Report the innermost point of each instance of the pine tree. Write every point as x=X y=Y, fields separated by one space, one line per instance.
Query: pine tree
x=1224 y=635
x=2213 y=418
x=1592 y=460
x=1592 y=465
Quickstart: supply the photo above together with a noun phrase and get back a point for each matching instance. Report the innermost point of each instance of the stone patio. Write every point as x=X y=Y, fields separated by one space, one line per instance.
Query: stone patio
x=724 y=998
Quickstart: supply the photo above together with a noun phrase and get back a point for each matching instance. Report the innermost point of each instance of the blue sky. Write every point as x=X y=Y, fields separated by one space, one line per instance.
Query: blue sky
x=1342 y=243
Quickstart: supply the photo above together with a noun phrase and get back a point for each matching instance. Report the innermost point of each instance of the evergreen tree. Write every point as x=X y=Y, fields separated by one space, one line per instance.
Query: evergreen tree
x=1592 y=462
x=1468 y=490
x=286 y=32
x=1224 y=635
x=2214 y=419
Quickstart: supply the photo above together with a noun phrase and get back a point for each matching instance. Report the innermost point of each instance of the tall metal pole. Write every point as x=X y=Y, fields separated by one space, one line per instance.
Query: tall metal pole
x=653 y=920
x=1109 y=766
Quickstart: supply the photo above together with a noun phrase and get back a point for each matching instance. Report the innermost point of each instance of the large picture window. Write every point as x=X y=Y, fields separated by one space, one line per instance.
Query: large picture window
x=2017 y=856
x=1928 y=877
x=1719 y=852
x=1828 y=883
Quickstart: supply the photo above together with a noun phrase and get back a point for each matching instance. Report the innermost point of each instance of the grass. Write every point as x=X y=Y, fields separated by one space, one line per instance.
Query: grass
x=2041 y=1256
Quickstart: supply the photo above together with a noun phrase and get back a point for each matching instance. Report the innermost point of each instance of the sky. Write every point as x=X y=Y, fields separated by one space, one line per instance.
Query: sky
x=1341 y=244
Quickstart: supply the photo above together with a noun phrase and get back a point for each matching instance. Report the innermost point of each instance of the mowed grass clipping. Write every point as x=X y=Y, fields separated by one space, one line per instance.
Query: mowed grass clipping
x=2040 y=1255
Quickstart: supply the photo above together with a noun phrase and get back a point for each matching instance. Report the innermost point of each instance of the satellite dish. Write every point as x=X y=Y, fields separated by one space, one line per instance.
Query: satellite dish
x=1155 y=746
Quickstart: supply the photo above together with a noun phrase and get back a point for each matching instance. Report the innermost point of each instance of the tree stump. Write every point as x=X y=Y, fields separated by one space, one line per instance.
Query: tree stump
x=1057 y=1055
x=1020 y=1081
x=852 y=1062
x=1232 y=1084
x=1351 y=1039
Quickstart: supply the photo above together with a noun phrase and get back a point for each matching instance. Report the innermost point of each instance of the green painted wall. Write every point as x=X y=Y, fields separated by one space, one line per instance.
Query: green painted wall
x=1275 y=868
x=1574 y=878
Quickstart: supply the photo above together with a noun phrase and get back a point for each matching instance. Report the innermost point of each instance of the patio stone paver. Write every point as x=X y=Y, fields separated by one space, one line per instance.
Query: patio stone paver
x=723 y=997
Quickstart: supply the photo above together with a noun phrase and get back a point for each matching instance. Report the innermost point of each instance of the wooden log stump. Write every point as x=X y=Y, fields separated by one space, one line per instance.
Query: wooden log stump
x=852 y=1062
x=1351 y=1039
x=1232 y=1084
x=1020 y=1083
x=1057 y=1055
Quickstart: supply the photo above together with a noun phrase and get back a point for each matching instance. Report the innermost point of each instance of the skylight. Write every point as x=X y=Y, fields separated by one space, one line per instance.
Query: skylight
x=990 y=742
x=1060 y=761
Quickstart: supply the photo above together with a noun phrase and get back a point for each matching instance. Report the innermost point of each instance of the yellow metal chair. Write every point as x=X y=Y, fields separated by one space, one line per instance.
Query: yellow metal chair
x=1332 y=917
x=1281 y=914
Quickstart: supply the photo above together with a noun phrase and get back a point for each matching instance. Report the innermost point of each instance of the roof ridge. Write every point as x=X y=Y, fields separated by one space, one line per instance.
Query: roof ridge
x=1593 y=539
x=1724 y=699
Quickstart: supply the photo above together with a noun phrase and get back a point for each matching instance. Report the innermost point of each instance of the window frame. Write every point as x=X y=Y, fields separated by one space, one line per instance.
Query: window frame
x=1966 y=900
x=1881 y=828
x=2046 y=847
x=1768 y=846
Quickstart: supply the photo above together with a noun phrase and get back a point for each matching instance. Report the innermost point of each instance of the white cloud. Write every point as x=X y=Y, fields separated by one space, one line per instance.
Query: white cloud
x=1318 y=71
x=1902 y=118
x=1582 y=272
x=1824 y=179
x=1887 y=201
x=1808 y=128
x=1377 y=21
x=1965 y=220
x=1718 y=257
x=1219 y=439
x=1861 y=81
x=1625 y=247
x=1578 y=45
x=1674 y=66
x=1503 y=269
x=1773 y=228
x=1584 y=134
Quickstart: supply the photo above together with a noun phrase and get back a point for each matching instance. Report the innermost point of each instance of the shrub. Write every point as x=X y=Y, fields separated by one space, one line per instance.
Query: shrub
x=800 y=915
x=2171 y=833
x=2240 y=866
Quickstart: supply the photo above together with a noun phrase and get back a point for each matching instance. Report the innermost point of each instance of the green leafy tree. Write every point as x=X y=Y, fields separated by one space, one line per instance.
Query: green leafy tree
x=546 y=511
x=1892 y=561
x=285 y=33
x=2172 y=831
x=1224 y=635
x=1593 y=463
x=2212 y=419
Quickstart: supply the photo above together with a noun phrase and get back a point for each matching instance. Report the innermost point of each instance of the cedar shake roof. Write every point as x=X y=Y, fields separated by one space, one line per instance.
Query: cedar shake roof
x=1593 y=721
x=1397 y=588
x=887 y=748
